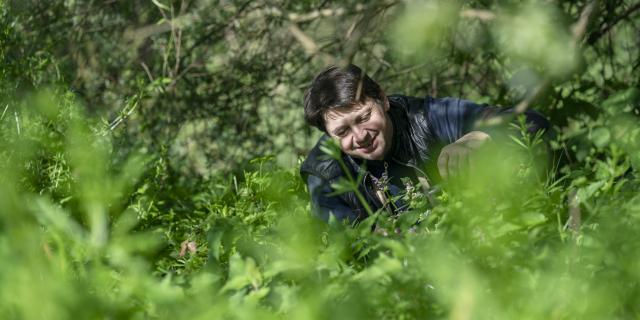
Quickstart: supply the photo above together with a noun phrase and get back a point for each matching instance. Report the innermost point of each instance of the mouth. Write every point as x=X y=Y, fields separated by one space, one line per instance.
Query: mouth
x=369 y=146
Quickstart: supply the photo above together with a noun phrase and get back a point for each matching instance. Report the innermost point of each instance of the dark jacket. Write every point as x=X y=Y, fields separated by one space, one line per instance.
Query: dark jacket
x=422 y=126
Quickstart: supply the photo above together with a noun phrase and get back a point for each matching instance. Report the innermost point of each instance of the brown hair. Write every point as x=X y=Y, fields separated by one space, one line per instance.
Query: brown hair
x=337 y=87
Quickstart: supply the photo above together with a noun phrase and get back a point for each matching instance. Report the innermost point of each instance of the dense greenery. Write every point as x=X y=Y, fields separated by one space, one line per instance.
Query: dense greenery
x=149 y=156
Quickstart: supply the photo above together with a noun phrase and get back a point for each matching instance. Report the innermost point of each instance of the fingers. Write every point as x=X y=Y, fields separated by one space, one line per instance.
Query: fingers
x=453 y=162
x=464 y=164
x=452 y=165
x=456 y=158
x=443 y=161
x=459 y=164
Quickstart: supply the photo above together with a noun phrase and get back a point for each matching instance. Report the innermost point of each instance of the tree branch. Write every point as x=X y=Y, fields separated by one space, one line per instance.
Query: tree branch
x=484 y=15
x=596 y=35
x=578 y=30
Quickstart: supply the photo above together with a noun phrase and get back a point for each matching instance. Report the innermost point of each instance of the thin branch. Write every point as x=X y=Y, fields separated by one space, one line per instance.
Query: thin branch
x=182 y=73
x=309 y=46
x=575 y=214
x=142 y=33
x=595 y=36
x=405 y=71
x=578 y=30
x=126 y=112
x=176 y=32
x=484 y=15
x=434 y=85
x=15 y=113
x=320 y=13
x=537 y=91
x=3 y=112
x=146 y=69
x=354 y=35
x=465 y=76
x=323 y=13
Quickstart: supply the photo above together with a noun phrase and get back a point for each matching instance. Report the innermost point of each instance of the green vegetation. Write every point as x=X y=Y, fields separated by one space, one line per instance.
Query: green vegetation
x=149 y=157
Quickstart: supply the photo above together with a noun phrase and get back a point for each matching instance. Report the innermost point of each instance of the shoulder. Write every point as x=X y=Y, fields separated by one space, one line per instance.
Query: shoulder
x=429 y=106
x=407 y=103
x=452 y=103
x=416 y=110
x=452 y=111
x=318 y=164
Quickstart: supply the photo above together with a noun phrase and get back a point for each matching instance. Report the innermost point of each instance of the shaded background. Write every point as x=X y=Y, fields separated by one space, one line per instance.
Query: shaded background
x=149 y=154
x=212 y=84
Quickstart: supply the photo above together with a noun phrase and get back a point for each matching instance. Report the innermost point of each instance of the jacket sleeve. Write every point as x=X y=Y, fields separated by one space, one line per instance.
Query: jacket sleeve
x=451 y=118
x=323 y=205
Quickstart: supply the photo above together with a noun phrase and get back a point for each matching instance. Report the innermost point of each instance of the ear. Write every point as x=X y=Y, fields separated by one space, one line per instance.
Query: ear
x=386 y=102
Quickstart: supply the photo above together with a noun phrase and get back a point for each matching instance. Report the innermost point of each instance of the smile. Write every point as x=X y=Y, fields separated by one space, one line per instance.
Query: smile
x=368 y=145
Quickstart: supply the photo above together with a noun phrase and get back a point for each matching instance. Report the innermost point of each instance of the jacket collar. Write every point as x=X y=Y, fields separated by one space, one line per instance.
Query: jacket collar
x=402 y=148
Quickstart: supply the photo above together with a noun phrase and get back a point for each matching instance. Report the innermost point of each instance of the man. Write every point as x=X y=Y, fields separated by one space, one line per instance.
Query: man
x=385 y=139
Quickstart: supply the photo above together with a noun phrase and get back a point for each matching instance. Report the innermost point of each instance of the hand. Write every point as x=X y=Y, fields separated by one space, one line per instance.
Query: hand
x=454 y=158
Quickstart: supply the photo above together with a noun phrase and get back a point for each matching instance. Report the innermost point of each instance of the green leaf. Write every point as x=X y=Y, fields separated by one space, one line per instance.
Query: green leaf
x=342 y=186
x=380 y=271
x=587 y=192
x=242 y=273
x=160 y=5
x=601 y=137
x=331 y=148
x=533 y=218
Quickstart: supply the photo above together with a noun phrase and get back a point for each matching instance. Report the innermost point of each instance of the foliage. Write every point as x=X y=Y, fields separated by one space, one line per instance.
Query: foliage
x=138 y=176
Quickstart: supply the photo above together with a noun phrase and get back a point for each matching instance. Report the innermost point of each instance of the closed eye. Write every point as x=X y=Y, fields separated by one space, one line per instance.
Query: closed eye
x=365 y=117
x=340 y=132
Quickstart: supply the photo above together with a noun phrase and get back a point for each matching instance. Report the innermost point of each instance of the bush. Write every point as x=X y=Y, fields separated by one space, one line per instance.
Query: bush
x=139 y=180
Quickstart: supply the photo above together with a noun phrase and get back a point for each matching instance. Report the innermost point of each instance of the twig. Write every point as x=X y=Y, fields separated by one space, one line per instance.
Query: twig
x=578 y=30
x=176 y=33
x=407 y=70
x=315 y=14
x=127 y=111
x=217 y=30
x=146 y=69
x=320 y=14
x=434 y=86
x=178 y=44
x=575 y=214
x=465 y=75
x=484 y=15
x=182 y=73
x=165 y=26
x=353 y=36
x=352 y=28
x=3 y=112
x=15 y=113
x=309 y=46
x=537 y=91
x=595 y=36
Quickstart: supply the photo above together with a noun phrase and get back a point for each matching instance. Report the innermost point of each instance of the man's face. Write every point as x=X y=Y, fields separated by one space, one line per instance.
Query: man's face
x=363 y=131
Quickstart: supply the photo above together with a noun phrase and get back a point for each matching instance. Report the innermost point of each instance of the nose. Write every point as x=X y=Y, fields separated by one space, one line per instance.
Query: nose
x=360 y=135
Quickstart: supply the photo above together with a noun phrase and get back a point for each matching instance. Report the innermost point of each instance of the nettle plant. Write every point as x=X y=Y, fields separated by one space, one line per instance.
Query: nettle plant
x=89 y=235
x=517 y=159
x=505 y=232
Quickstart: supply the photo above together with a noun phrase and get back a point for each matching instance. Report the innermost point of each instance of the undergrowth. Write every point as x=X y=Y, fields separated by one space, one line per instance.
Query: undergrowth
x=83 y=235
